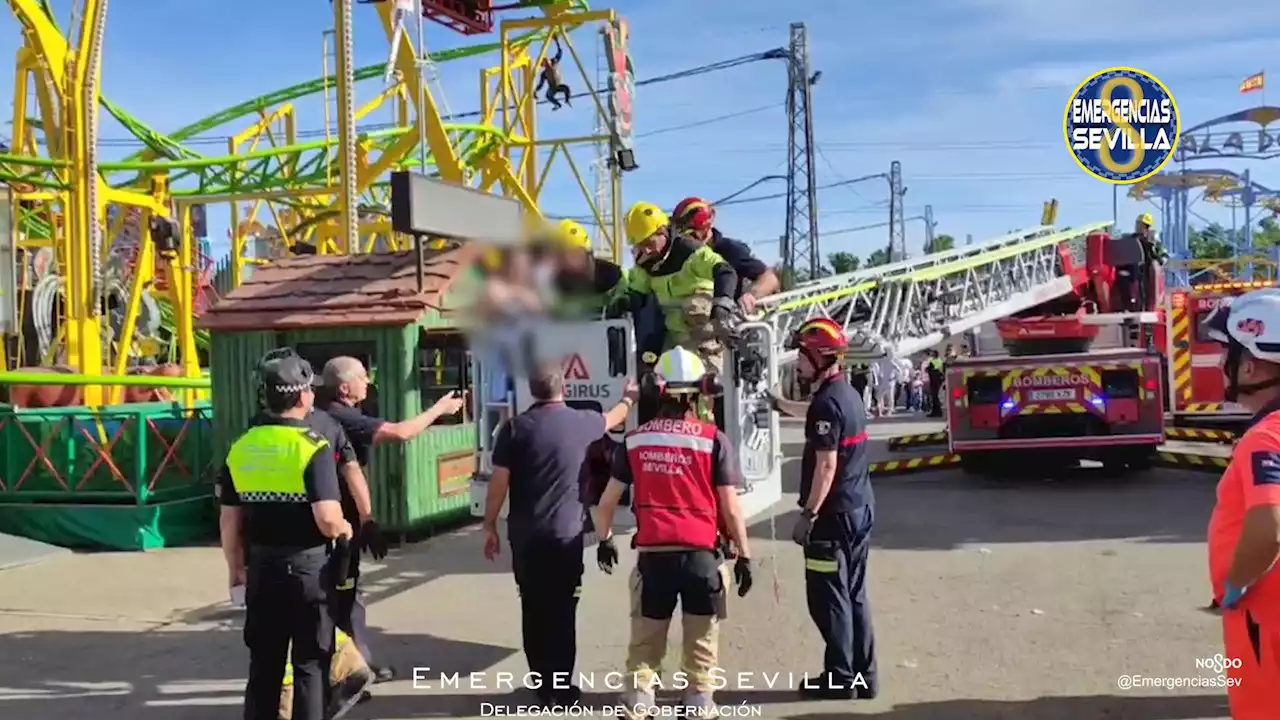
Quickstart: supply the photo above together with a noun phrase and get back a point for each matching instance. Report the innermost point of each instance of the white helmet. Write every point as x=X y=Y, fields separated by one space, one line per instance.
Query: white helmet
x=1252 y=320
x=680 y=371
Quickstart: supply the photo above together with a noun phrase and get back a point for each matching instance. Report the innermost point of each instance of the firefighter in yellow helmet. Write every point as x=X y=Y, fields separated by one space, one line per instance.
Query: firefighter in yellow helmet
x=692 y=284
x=1146 y=274
x=586 y=284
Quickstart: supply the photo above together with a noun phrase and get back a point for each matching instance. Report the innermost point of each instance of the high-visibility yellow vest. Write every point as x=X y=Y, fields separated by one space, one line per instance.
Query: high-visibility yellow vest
x=267 y=463
x=696 y=275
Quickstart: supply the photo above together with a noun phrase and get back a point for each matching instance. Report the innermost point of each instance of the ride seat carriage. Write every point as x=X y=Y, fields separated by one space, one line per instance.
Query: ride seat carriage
x=469 y=17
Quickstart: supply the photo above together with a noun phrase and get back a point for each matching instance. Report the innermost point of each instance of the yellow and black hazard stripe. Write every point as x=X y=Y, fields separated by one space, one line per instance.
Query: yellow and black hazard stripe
x=1180 y=355
x=910 y=465
x=1191 y=460
x=1199 y=434
x=904 y=441
x=1203 y=407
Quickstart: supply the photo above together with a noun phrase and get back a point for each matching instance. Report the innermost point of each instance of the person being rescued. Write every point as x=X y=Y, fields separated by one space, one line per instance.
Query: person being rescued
x=695 y=218
x=586 y=285
x=550 y=77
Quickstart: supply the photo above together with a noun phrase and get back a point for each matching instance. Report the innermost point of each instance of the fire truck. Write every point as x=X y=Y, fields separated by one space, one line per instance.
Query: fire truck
x=1194 y=361
x=1078 y=377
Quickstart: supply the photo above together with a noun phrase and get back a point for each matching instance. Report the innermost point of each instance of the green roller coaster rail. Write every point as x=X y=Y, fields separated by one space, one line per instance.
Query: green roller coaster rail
x=277 y=169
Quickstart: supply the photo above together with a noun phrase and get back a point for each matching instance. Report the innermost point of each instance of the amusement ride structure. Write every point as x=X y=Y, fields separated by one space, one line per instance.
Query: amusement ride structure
x=1244 y=135
x=109 y=268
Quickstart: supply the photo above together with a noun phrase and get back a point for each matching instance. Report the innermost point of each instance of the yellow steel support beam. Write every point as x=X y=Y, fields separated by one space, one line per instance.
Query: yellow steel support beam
x=80 y=106
x=447 y=163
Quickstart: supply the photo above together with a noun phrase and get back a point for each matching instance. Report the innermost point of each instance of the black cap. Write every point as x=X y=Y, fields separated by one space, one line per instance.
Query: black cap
x=284 y=371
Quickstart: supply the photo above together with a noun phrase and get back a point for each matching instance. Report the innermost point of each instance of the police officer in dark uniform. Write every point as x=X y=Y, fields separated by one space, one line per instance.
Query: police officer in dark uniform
x=538 y=455
x=836 y=516
x=280 y=493
x=356 y=508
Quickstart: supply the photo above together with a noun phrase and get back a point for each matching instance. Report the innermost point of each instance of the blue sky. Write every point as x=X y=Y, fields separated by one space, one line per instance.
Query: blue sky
x=967 y=94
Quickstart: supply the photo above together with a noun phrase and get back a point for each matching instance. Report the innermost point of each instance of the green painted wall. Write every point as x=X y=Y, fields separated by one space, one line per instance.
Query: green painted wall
x=233 y=362
x=404 y=478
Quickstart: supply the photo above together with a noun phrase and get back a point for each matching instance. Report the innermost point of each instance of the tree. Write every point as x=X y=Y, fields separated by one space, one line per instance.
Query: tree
x=1267 y=236
x=1214 y=242
x=941 y=243
x=878 y=258
x=843 y=262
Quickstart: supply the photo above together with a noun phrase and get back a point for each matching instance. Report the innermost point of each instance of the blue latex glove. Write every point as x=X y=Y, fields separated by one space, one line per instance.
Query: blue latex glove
x=1231 y=596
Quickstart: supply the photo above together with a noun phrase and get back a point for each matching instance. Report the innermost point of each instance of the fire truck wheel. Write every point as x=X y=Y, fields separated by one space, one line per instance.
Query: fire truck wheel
x=977 y=463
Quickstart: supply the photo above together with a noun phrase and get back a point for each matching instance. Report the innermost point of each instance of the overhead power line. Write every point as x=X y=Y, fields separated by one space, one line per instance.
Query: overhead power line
x=775 y=54
x=709 y=121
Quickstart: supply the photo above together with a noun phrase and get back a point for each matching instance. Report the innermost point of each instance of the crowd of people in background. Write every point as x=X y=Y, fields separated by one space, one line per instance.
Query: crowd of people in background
x=895 y=384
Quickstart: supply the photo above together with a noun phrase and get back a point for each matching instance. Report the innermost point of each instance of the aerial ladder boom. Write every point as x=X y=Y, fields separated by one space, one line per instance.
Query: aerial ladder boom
x=909 y=306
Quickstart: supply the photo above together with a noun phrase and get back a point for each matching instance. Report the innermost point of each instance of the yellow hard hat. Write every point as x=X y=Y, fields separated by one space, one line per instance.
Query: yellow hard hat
x=573 y=235
x=643 y=220
x=1148 y=220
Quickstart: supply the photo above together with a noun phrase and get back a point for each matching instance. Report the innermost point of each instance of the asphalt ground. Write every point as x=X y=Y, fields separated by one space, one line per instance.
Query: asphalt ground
x=993 y=598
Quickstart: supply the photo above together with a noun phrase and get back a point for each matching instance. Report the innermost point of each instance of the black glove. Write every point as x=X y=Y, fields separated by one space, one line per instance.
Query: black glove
x=800 y=531
x=607 y=555
x=618 y=307
x=742 y=576
x=372 y=539
x=724 y=317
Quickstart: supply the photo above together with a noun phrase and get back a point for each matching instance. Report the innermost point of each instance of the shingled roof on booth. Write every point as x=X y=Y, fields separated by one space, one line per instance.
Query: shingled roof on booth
x=338 y=291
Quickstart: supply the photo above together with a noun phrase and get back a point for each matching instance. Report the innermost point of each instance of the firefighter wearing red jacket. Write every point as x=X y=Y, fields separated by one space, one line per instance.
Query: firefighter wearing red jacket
x=695 y=218
x=683 y=482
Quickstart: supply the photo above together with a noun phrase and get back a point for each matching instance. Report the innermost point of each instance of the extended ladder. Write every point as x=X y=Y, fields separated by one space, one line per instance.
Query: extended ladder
x=912 y=305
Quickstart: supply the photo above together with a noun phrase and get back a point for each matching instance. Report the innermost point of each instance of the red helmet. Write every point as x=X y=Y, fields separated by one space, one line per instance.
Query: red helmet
x=821 y=336
x=694 y=213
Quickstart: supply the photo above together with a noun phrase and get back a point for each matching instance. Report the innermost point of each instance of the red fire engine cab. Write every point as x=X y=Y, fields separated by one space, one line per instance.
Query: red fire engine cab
x=1076 y=378
x=1194 y=361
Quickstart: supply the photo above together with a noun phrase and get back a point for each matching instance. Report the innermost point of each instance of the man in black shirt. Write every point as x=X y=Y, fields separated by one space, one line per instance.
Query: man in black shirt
x=538 y=455
x=280 y=494
x=346 y=384
x=837 y=510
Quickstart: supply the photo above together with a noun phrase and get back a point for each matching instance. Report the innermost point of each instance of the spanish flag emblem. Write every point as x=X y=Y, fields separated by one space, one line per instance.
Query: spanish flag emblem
x=1254 y=82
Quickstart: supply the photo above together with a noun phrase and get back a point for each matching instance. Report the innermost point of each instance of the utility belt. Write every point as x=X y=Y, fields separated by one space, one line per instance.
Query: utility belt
x=336 y=555
x=723 y=550
x=279 y=552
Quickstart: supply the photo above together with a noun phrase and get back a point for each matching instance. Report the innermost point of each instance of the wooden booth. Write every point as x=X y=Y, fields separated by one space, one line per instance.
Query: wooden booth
x=380 y=309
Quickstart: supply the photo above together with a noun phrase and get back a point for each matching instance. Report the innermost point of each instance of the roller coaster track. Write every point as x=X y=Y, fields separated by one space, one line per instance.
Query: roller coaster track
x=912 y=305
x=284 y=168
